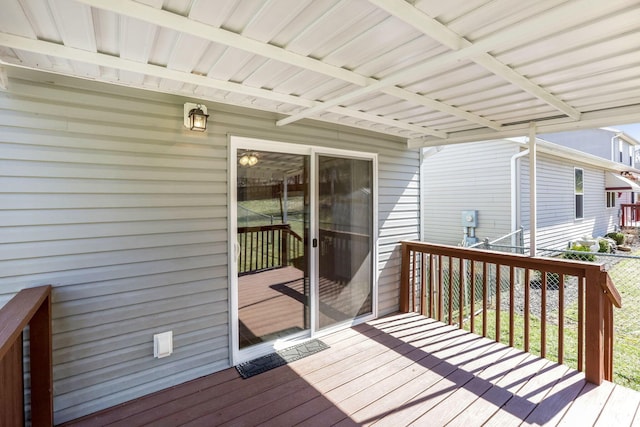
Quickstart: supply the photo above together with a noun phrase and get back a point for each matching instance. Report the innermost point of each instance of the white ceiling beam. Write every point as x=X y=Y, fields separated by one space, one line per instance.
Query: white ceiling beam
x=103 y=60
x=588 y=120
x=551 y=20
x=218 y=35
x=443 y=34
x=554 y=18
x=186 y=25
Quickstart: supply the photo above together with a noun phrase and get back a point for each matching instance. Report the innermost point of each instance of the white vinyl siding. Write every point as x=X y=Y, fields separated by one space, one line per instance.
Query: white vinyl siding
x=556 y=224
x=474 y=176
x=109 y=199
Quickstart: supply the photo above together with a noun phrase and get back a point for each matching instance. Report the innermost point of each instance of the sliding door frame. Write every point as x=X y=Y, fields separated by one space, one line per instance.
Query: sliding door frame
x=234 y=142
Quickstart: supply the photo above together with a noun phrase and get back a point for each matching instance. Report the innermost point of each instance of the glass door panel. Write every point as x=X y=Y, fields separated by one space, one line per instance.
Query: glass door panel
x=273 y=263
x=345 y=216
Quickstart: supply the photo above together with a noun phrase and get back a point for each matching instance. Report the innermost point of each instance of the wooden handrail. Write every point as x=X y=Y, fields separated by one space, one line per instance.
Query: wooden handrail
x=427 y=279
x=31 y=307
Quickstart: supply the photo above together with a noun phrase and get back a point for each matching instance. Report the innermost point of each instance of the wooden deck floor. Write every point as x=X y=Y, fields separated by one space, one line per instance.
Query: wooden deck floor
x=395 y=371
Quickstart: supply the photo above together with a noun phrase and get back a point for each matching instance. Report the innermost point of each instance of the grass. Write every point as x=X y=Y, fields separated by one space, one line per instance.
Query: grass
x=535 y=336
x=626 y=344
x=626 y=369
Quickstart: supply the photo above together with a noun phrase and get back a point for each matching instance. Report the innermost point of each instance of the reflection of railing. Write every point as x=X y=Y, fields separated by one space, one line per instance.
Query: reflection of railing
x=267 y=247
x=31 y=307
x=439 y=281
x=342 y=253
x=630 y=215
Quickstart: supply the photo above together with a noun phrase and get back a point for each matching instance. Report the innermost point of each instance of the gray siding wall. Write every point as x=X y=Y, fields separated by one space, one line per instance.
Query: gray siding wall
x=594 y=141
x=106 y=197
x=556 y=223
x=474 y=176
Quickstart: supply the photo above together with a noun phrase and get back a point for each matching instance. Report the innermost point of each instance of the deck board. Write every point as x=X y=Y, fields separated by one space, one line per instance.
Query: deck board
x=395 y=371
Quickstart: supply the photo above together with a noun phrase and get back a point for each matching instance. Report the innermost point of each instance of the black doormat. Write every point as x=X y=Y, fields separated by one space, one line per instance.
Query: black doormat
x=279 y=358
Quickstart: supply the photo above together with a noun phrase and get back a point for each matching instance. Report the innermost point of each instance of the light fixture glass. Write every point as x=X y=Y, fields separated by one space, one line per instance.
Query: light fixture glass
x=198 y=119
x=195 y=117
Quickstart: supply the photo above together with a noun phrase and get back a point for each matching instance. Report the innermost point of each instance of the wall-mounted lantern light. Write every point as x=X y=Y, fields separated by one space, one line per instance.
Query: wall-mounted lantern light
x=195 y=116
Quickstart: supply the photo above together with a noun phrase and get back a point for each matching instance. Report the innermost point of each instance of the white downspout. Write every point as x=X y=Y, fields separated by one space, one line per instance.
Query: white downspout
x=515 y=193
x=533 y=157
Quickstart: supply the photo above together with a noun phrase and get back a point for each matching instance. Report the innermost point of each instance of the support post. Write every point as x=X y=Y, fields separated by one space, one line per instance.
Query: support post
x=594 y=328
x=404 y=279
x=40 y=343
x=533 y=157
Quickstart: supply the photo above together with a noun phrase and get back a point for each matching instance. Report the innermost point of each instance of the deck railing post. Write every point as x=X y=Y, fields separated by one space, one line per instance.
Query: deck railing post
x=404 y=279
x=32 y=307
x=594 y=328
x=41 y=366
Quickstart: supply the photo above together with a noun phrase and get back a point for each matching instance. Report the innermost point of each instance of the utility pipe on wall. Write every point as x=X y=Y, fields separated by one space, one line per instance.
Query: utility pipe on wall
x=515 y=193
x=533 y=157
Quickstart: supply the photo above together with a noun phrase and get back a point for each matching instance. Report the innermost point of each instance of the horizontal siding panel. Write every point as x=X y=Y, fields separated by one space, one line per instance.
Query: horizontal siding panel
x=196 y=308
x=81 y=295
x=18 y=139
x=73 y=216
x=127 y=298
x=93 y=394
x=142 y=304
x=58 y=247
x=99 y=259
x=191 y=345
x=83 y=231
x=94 y=277
x=89 y=201
x=91 y=352
x=97 y=186
x=38 y=169
x=89 y=358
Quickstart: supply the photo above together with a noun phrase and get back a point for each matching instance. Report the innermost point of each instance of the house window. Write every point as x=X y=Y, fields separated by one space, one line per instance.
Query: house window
x=630 y=155
x=611 y=199
x=578 y=183
x=620 y=149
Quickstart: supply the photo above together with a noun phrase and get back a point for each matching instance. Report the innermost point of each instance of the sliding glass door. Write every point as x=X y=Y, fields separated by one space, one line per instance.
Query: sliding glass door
x=273 y=261
x=303 y=243
x=345 y=216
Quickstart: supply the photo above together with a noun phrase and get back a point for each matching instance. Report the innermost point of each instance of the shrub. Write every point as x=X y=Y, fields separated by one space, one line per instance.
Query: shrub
x=605 y=246
x=587 y=256
x=617 y=237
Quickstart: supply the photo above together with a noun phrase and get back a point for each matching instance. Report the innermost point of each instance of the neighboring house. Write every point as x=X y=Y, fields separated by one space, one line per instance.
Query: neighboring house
x=578 y=193
x=608 y=143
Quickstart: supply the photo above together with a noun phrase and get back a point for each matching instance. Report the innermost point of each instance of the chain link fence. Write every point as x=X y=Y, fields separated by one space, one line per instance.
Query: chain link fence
x=623 y=268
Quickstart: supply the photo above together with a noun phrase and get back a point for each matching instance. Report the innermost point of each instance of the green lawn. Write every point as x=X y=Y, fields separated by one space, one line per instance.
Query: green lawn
x=626 y=369
x=626 y=344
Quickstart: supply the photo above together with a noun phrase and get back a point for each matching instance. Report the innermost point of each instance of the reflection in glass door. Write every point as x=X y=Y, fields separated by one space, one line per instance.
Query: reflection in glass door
x=273 y=263
x=345 y=215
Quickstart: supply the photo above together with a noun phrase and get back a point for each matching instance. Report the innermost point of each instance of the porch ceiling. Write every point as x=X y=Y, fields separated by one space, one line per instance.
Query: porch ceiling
x=430 y=71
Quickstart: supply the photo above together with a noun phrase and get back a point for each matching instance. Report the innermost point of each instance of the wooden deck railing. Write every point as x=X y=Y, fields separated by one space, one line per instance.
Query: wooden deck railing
x=468 y=287
x=267 y=247
x=29 y=307
x=630 y=215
